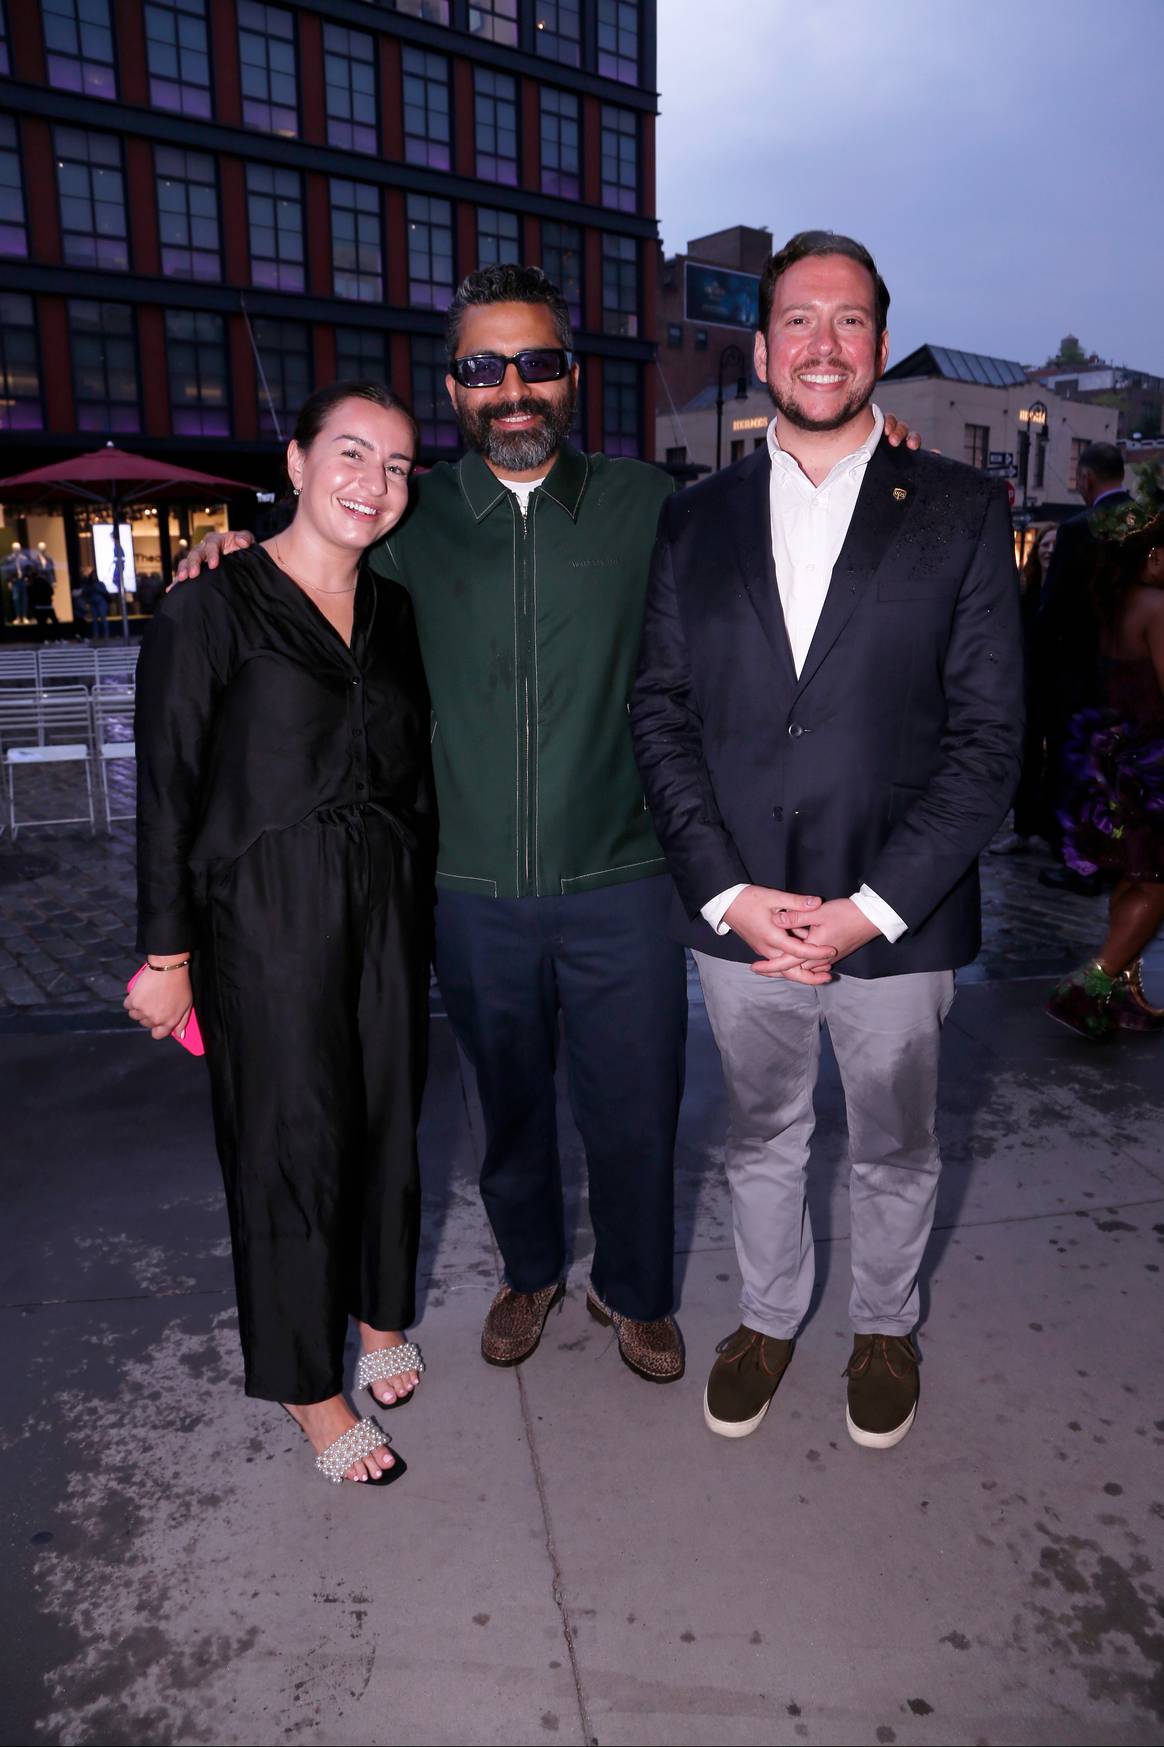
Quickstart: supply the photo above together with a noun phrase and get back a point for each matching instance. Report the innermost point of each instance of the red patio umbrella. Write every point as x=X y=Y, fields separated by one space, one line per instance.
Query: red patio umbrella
x=116 y=477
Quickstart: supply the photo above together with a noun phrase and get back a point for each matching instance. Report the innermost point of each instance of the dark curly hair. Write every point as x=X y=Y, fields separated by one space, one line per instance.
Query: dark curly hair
x=507 y=282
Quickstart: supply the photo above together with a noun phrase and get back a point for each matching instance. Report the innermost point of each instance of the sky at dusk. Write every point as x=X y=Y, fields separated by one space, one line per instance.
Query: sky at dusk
x=1003 y=159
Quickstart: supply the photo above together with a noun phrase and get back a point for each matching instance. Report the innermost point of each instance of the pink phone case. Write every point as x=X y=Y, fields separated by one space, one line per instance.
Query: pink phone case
x=191 y=1038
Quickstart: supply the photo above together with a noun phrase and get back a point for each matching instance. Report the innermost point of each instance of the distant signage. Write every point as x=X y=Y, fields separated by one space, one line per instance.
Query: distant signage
x=722 y=298
x=1001 y=458
x=760 y=424
x=105 y=557
x=1002 y=472
x=1036 y=414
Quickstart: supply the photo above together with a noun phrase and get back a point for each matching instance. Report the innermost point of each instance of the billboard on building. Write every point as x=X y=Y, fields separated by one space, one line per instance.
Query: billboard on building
x=719 y=296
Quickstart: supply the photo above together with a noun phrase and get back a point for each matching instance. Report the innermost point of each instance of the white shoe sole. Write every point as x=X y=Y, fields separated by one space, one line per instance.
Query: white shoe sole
x=732 y=1428
x=879 y=1440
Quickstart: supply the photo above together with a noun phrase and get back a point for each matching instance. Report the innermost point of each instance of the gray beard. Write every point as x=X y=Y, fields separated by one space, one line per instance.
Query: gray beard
x=519 y=451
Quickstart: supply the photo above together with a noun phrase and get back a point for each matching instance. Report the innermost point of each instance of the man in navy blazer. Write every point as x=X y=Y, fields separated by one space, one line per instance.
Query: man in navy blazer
x=829 y=702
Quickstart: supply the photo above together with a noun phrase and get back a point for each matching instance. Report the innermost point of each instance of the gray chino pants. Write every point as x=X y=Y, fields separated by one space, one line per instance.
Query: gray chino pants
x=885 y=1034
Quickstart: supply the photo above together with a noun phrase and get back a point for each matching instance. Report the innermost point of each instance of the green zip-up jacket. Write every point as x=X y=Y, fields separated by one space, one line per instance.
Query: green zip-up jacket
x=529 y=629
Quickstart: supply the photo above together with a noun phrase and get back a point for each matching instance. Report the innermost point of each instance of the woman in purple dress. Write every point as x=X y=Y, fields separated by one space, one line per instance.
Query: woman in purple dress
x=1113 y=814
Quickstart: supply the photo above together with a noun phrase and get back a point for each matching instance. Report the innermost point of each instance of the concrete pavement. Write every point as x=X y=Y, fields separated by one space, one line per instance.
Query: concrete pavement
x=572 y=1556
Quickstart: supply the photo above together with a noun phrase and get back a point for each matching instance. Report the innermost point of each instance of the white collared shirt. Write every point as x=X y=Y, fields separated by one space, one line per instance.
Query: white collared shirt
x=809 y=525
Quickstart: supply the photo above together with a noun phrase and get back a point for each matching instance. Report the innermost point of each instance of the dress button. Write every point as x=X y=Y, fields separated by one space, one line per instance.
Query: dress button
x=795 y=730
x=356 y=681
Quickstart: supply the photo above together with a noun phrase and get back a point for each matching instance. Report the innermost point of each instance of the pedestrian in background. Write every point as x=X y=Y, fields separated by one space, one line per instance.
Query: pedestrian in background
x=1113 y=806
x=284 y=881
x=1067 y=635
x=1032 y=805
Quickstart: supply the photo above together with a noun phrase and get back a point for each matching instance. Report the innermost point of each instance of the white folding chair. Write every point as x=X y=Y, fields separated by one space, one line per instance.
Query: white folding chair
x=116 y=664
x=67 y=664
x=18 y=667
x=113 y=740
x=47 y=729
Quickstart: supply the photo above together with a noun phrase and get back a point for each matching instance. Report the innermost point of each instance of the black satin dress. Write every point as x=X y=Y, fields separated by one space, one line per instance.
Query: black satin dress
x=284 y=837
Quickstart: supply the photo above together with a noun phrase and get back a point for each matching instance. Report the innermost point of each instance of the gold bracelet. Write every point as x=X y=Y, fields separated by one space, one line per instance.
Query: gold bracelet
x=180 y=966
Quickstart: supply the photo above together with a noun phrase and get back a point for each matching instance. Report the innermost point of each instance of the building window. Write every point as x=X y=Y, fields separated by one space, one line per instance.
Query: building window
x=430 y=400
x=92 y=194
x=496 y=237
x=701 y=339
x=737 y=453
x=360 y=355
x=1041 y=459
x=430 y=251
x=760 y=442
x=674 y=333
x=561 y=144
x=495 y=122
x=357 y=259
x=431 y=11
x=266 y=49
x=677 y=457
x=199 y=380
x=496 y=20
x=620 y=286
x=349 y=72
x=20 y=408
x=13 y=226
x=426 y=109
x=178 y=52
x=620 y=408
x=284 y=351
x=104 y=366
x=187 y=214
x=620 y=159
x=275 y=211
x=78 y=40
x=558 y=31
x=975 y=444
x=562 y=262
x=1077 y=446
x=618 y=40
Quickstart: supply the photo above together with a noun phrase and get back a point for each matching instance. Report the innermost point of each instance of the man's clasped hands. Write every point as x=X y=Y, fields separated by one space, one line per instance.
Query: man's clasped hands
x=796 y=937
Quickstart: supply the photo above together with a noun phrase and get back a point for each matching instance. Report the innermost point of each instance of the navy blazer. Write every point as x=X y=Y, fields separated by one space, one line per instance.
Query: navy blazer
x=894 y=756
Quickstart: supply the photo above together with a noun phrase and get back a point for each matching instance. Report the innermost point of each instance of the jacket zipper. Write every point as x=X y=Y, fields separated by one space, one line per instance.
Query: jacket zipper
x=525 y=630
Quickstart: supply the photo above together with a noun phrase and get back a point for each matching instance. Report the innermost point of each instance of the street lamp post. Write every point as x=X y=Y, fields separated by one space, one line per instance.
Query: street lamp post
x=1035 y=414
x=731 y=358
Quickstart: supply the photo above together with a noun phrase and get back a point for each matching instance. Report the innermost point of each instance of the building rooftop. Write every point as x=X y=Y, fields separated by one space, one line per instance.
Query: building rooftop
x=958 y=367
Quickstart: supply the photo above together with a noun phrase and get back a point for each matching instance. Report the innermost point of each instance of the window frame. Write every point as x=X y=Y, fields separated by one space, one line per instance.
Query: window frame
x=620 y=259
x=9 y=400
x=423 y=291
x=550 y=41
x=282 y=261
x=617 y=441
x=67 y=10
x=439 y=434
x=104 y=419
x=510 y=225
x=295 y=108
x=625 y=68
x=288 y=401
x=371 y=283
x=487 y=9
x=184 y=87
x=492 y=165
x=427 y=149
x=565 y=183
x=618 y=127
x=16 y=190
x=334 y=123
x=203 y=410
x=579 y=251
x=214 y=270
x=95 y=234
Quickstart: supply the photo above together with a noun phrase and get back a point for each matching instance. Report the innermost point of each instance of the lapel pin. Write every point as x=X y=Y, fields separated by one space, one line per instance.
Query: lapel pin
x=899 y=494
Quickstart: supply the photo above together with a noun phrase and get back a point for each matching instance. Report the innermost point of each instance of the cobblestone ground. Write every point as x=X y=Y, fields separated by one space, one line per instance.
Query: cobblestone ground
x=67 y=909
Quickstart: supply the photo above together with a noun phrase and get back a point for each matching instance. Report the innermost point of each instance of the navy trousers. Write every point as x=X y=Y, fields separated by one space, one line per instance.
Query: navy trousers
x=604 y=961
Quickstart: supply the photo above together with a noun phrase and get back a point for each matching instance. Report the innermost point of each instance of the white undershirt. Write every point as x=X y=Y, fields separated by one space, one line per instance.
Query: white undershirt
x=809 y=525
x=522 y=490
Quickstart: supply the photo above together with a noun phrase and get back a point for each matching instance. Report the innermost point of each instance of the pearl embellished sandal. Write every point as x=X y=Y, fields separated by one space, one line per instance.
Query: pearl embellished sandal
x=384 y=1363
x=355 y=1445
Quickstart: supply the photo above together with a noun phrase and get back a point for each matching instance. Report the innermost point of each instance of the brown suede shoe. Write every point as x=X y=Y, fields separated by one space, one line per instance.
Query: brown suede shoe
x=883 y=1390
x=653 y=1350
x=515 y=1322
x=743 y=1380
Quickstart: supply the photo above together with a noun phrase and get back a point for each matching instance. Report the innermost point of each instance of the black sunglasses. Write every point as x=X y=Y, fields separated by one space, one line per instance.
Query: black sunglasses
x=487 y=369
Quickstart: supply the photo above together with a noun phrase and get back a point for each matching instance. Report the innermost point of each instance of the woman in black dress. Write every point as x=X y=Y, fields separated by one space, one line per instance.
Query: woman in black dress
x=284 y=878
x=1113 y=811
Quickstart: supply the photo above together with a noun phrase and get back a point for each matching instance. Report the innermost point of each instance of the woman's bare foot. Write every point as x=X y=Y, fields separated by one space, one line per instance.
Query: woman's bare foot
x=325 y=1421
x=387 y=1390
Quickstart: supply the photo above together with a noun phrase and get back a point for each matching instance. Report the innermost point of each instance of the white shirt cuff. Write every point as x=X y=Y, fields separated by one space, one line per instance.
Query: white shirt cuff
x=885 y=920
x=714 y=911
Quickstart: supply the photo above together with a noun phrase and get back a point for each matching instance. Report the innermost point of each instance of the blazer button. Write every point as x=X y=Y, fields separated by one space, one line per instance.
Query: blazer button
x=795 y=730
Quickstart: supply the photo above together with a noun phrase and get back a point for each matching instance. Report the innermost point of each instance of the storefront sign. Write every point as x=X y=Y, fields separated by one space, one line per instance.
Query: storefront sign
x=760 y=424
x=105 y=558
